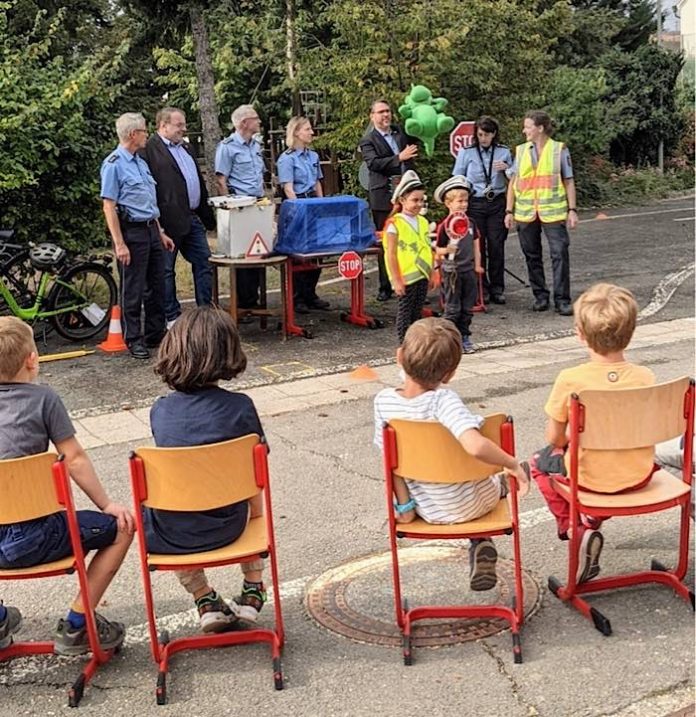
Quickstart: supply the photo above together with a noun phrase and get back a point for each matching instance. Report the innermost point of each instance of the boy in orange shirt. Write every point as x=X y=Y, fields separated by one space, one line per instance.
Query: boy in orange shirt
x=605 y=319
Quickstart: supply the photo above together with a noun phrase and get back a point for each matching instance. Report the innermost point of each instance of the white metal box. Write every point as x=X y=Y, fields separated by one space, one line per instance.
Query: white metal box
x=244 y=226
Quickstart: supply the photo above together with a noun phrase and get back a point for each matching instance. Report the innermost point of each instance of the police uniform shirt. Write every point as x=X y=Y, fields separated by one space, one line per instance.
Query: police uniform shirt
x=566 y=164
x=126 y=180
x=474 y=168
x=301 y=167
x=241 y=163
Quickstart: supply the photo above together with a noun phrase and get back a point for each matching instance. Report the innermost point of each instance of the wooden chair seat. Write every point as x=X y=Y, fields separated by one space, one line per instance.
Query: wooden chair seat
x=65 y=564
x=662 y=487
x=498 y=519
x=254 y=540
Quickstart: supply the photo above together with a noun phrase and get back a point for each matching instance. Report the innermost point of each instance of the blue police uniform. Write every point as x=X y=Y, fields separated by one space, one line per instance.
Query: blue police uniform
x=302 y=168
x=487 y=209
x=241 y=163
x=126 y=180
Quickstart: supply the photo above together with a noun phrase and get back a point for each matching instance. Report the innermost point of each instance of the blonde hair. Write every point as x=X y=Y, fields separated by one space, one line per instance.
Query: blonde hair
x=16 y=343
x=293 y=125
x=128 y=123
x=431 y=351
x=606 y=315
x=451 y=195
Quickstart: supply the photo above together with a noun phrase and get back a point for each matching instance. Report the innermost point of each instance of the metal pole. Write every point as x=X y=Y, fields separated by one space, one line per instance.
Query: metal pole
x=661 y=144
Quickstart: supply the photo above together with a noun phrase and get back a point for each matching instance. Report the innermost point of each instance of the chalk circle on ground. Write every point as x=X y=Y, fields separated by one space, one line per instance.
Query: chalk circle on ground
x=356 y=599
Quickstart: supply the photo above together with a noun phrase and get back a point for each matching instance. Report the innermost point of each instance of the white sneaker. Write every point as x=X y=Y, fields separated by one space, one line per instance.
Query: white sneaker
x=171 y=323
x=591 y=545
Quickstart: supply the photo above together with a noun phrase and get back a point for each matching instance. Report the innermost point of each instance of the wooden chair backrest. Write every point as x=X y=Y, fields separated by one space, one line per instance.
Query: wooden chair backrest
x=200 y=477
x=428 y=452
x=627 y=418
x=27 y=489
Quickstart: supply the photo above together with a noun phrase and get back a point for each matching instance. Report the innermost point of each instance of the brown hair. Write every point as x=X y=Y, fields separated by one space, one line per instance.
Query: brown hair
x=540 y=119
x=432 y=349
x=16 y=343
x=606 y=315
x=201 y=348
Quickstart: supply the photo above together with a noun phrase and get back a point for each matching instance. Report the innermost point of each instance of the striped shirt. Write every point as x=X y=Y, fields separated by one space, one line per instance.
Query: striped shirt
x=443 y=503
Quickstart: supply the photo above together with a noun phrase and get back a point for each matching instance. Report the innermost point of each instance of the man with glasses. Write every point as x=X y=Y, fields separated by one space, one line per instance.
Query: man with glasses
x=130 y=207
x=183 y=203
x=239 y=168
x=387 y=154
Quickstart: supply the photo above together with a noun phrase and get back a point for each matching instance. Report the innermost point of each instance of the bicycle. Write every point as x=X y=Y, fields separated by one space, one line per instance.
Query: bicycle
x=39 y=282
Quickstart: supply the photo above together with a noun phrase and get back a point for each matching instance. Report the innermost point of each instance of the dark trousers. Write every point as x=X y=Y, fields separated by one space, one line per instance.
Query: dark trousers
x=248 y=281
x=410 y=306
x=489 y=217
x=194 y=248
x=559 y=241
x=379 y=217
x=142 y=285
x=460 y=297
x=305 y=286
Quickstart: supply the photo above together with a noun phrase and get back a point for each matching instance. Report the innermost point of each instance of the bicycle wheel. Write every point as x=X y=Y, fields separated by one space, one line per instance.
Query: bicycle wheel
x=84 y=296
x=21 y=279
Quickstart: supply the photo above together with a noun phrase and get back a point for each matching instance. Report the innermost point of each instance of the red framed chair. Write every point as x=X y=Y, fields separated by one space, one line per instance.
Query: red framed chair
x=203 y=478
x=40 y=485
x=426 y=451
x=625 y=419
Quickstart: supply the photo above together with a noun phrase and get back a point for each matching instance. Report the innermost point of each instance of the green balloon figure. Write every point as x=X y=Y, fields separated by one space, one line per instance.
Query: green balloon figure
x=425 y=117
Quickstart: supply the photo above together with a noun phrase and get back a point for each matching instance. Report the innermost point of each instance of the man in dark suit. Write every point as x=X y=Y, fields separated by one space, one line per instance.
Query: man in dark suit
x=388 y=155
x=183 y=203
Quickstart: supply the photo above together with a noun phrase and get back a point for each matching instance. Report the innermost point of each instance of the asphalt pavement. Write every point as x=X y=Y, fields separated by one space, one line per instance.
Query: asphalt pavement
x=329 y=510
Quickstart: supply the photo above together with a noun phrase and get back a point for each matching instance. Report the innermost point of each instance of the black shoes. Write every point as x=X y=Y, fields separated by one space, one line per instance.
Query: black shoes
x=540 y=305
x=564 y=308
x=384 y=295
x=498 y=298
x=154 y=343
x=138 y=350
x=301 y=307
x=319 y=304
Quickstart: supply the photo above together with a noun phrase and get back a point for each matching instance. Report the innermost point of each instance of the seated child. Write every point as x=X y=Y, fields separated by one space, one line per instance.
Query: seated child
x=605 y=319
x=201 y=349
x=429 y=356
x=31 y=415
x=408 y=256
x=10 y=622
x=460 y=258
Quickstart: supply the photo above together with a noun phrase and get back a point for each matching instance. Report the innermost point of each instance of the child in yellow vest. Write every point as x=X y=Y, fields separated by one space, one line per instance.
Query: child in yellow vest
x=408 y=255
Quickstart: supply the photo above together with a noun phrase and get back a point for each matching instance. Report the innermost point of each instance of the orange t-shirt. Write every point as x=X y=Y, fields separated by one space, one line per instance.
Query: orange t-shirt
x=603 y=471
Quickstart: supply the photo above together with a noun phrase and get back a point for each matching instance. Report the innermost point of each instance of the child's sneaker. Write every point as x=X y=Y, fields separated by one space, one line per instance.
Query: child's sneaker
x=10 y=625
x=214 y=613
x=467 y=346
x=591 y=544
x=250 y=601
x=75 y=641
x=482 y=558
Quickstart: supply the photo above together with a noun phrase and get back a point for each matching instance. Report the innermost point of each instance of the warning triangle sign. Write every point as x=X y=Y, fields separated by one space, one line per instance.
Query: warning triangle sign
x=257 y=247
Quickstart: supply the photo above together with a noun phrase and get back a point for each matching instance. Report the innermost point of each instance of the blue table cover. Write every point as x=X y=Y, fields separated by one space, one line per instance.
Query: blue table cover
x=326 y=225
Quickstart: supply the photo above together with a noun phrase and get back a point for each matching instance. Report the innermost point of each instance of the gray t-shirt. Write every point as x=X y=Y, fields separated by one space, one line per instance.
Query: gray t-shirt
x=31 y=415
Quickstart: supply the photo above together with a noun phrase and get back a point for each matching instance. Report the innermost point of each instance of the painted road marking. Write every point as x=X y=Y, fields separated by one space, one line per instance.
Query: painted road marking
x=664 y=291
x=684 y=219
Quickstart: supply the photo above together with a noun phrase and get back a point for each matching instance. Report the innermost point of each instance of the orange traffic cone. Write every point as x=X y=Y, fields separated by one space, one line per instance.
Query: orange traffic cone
x=363 y=373
x=114 y=339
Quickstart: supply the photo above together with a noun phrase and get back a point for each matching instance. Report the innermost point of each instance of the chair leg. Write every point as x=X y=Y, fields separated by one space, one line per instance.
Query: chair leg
x=77 y=689
x=600 y=621
x=516 y=648
x=679 y=587
x=407 y=644
x=161 y=689
x=277 y=673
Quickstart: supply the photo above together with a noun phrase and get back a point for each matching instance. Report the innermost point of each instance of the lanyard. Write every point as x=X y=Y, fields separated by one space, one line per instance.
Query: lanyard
x=489 y=174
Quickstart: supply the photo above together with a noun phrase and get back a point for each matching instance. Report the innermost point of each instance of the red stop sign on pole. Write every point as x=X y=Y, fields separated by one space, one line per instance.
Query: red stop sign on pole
x=461 y=137
x=350 y=265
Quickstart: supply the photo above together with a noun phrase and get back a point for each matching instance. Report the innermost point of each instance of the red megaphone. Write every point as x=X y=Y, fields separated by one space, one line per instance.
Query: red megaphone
x=457 y=225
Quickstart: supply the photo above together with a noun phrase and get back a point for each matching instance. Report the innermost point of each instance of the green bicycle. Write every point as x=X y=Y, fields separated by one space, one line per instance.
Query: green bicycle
x=38 y=283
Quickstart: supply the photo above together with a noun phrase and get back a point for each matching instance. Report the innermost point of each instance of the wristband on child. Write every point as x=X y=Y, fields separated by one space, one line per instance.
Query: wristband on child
x=401 y=508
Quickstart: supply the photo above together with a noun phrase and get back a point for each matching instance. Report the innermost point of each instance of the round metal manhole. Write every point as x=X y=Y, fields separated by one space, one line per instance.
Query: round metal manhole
x=356 y=599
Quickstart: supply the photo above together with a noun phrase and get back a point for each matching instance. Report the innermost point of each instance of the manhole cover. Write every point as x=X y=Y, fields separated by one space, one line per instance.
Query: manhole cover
x=356 y=599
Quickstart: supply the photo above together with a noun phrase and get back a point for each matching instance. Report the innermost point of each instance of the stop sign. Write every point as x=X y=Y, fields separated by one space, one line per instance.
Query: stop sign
x=461 y=137
x=350 y=265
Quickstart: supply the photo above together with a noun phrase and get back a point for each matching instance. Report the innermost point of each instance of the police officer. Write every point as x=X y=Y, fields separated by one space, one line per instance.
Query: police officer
x=239 y=170
x=484 y=165
x=130 y=207
x=299 y=174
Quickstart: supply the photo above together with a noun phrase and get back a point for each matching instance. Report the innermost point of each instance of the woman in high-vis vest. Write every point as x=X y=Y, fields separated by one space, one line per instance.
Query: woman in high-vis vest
x=408 y=254
x=541 y=194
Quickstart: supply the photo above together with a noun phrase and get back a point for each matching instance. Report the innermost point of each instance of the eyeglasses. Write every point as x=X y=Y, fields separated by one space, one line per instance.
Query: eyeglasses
x=382 y=112
x=141 y=130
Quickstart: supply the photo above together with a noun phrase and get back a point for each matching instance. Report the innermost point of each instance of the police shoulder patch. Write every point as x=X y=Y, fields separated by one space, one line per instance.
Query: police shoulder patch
x=112 y=158
x=227 y=140
x=289 y=151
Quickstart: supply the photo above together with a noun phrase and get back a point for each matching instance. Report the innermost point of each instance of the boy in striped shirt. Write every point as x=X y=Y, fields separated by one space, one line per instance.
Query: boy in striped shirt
x=429 y=356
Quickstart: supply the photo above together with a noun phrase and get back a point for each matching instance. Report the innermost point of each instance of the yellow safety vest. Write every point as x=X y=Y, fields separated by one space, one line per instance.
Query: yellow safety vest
x=413 y=251
x=539 y=190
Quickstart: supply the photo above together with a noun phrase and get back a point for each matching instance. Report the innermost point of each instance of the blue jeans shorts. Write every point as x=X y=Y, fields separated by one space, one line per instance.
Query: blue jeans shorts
x=43 y=540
